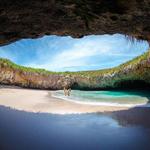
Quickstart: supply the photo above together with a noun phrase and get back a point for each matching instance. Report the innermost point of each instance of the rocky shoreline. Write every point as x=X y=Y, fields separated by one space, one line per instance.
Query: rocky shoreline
x=133 y=74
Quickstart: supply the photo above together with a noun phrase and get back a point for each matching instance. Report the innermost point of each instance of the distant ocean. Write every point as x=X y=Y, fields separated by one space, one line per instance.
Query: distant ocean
x=107 y=98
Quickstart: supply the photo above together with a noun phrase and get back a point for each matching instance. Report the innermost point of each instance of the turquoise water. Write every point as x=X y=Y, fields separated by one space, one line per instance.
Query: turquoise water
x=119 y=98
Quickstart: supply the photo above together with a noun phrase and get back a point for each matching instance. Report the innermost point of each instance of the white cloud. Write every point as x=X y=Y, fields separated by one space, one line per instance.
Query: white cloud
x=62 y=54
x=79 y=55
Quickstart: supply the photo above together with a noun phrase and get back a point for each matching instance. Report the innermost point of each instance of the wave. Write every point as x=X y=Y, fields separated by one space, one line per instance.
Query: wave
x=74 y=100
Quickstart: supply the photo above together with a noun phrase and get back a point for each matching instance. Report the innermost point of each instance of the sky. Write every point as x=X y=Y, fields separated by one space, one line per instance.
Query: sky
x=57 y=53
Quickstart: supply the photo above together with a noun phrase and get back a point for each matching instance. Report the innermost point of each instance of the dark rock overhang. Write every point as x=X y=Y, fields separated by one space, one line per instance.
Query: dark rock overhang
x=35 y=18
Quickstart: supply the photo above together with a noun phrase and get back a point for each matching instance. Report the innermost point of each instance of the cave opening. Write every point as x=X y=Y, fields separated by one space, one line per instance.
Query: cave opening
x=64 y=53
x=133 y=84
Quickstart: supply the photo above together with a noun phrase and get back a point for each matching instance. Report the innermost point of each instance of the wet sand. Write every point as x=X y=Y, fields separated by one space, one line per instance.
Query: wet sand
x=31 y=100
x=86 y=131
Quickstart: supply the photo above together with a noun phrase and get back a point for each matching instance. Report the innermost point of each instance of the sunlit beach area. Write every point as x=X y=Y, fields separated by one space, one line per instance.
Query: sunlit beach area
x=48 y=113
x=44 y=102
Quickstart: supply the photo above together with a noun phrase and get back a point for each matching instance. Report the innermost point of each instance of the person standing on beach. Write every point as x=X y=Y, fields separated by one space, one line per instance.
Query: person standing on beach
x=66 y=83
x=67 y=91
x=67 y=87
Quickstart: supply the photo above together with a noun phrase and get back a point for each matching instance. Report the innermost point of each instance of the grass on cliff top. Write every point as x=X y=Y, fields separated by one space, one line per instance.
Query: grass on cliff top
x=132 y=62
x=7 y=63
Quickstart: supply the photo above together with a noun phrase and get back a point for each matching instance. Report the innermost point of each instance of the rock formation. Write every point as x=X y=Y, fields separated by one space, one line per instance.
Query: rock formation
x=135 y=73
x=34 y=18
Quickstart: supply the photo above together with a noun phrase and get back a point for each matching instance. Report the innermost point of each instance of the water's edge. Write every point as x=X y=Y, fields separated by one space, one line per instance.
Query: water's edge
x=59 y=94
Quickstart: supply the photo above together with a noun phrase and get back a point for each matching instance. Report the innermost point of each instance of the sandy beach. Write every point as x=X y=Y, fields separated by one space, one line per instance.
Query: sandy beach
x=42 y=101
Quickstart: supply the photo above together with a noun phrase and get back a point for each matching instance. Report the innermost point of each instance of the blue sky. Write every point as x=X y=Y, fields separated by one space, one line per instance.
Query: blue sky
x=67 y=54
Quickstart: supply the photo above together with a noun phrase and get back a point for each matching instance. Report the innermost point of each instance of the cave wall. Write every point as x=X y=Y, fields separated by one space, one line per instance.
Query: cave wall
x=35 y=18
x=131 y=75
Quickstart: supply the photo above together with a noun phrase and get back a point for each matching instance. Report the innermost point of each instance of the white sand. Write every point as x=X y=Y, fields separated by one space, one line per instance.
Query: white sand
x=41 y=101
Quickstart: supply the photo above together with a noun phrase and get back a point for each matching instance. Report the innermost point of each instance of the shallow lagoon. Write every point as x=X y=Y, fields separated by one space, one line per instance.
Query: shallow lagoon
x=107 y=98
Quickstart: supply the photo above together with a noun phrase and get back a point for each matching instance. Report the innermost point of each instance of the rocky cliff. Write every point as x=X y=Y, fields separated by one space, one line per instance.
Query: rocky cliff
x=34 y=18
x=135 y=73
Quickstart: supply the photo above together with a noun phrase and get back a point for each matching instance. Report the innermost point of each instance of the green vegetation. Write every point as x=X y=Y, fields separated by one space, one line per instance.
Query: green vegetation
x=7 y=63
x=137 y=60
x=134 y=61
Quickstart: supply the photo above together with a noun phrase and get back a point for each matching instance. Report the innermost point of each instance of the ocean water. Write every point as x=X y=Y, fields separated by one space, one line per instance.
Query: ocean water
x=107 y=98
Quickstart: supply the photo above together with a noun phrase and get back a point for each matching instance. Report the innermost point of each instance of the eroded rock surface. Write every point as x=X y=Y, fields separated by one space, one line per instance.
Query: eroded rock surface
x=135 y=73
x=35 y=18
